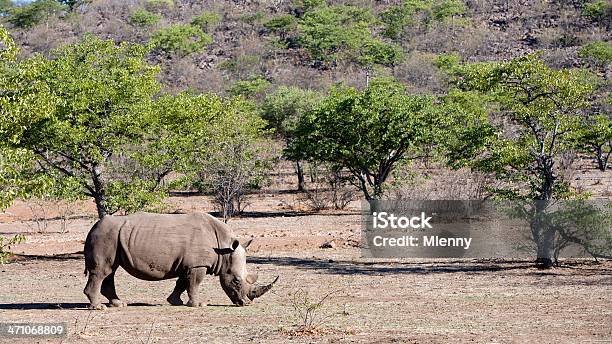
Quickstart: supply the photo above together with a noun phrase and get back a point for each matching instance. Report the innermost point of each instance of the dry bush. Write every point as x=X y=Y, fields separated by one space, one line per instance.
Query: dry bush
x=468 y=41
x=310 y=313
x=39 y=221
x=46 y=210
x=329 y=188
x=445 y=184
x=290 y=73
x=193 y=72
x=420 y=73
x=246 y=58
x=49 y=35
x=561 y=58
x=566 y=167
x=107 y=19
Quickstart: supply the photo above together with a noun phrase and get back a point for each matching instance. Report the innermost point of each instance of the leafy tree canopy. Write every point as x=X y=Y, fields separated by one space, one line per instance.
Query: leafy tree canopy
x=368 y=132
x=544 y=107
x=284 y=108
x=78 y=110
x=332 y=33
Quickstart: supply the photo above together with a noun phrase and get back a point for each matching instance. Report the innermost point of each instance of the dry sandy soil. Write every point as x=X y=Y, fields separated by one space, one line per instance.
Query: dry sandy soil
x=371 y=300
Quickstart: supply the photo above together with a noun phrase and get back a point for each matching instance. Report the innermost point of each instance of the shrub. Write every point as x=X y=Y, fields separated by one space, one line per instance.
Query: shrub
x=159 y=5
x=240 y=63
x=309 y=312
x=250 y=88
x=207 y=21
x=447 y=8
x=280 y=23
x=398 y=17
x=34 y=13
x=252 y=18
x=5 y=6
x=142 y=17
x=5 y=246
x=598 y=10
x=181 y=39
x=599 y=52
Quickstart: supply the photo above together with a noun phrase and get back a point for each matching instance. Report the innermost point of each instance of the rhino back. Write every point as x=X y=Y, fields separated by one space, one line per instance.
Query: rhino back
x=161 y=246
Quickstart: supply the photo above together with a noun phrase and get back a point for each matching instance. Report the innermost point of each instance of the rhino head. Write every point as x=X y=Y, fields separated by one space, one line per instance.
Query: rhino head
x=236 y=282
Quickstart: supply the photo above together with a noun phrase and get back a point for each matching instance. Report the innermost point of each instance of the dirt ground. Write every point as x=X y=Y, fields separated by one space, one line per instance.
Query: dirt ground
x=368 y=300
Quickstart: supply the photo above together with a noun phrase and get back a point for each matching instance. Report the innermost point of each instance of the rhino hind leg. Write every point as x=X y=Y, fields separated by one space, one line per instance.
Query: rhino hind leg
x=194 y=278
x=175 y=298
x=93 y=289
x=108 y=290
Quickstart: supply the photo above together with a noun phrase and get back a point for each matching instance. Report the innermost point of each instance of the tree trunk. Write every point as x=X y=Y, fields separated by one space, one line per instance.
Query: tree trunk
x=602 y=159
x=546 y=248
x=300 y=176
x=543 y=230
x=99 y=191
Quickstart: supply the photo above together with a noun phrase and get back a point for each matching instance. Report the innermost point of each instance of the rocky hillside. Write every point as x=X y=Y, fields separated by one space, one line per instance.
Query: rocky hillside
x=296 y=42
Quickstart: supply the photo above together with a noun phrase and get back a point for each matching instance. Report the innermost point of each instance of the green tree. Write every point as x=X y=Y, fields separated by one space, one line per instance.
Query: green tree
x=18 y=174
x=238 y=156
x=542 y=106
x=180 y=39
x=282 y=23
x=171 y=144
x=334 y=33
x=368 y=133
x=283 y=109
x=93 y=100
x=217 y=145
x=34 y=13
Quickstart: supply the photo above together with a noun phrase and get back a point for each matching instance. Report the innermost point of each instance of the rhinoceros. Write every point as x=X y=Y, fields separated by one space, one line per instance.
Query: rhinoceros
x=156 y=247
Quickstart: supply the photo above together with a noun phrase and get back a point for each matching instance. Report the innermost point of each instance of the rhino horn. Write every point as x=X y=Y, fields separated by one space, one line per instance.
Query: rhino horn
x=247 y=244
x=258 y=291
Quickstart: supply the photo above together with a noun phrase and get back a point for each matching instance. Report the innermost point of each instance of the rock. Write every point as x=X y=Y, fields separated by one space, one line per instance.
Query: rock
x=328 y=244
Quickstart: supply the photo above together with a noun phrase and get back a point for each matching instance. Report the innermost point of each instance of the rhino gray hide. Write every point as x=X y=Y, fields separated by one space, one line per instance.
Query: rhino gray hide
x=155 y=247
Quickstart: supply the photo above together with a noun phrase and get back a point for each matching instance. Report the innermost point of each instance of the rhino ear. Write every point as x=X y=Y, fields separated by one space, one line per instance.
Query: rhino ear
x=251 y=278
x=247 y=244
x=228 y=250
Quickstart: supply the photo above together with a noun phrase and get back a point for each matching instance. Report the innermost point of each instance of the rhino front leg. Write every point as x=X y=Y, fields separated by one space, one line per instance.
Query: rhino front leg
x=194 y=278
x=108 y=290
x=175 y=298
